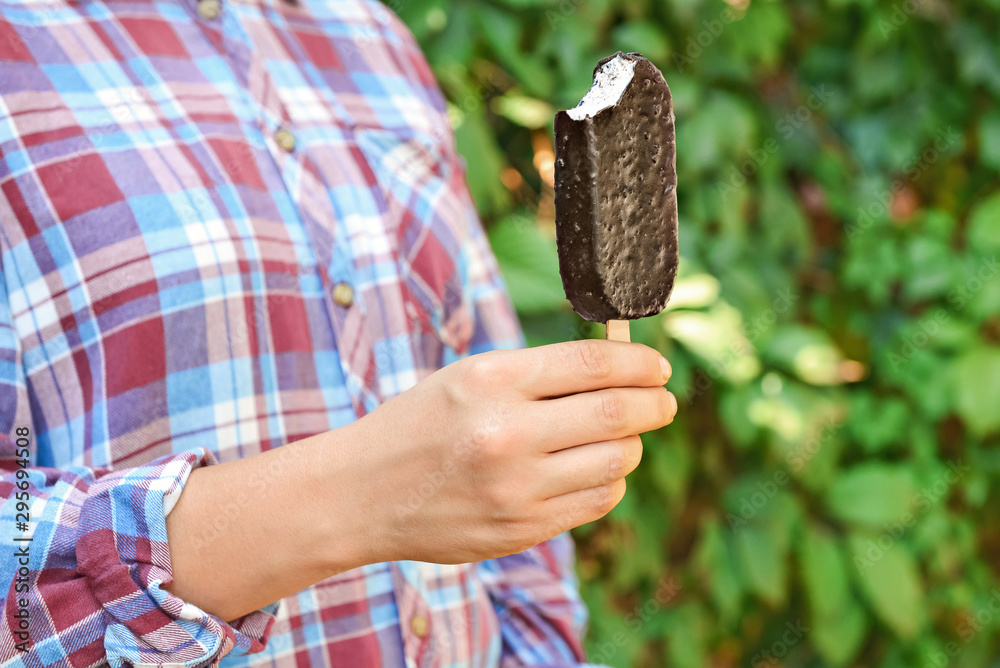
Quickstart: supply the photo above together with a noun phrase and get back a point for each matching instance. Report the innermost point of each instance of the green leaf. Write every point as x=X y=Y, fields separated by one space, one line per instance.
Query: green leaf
x=764 y=565
x=977 y=389
x=877 y=423
x=734 y=412
x=838 y=621
x=451 y=45
x=716 y=336
x=989 y=139
x=930 y=268
x=694 y=291
x=761 y=32
x=984 y=226
x=931 y=532
x=824 y=574
x=878 y=76
x=839 y=638
x=476 y=143
x=890 y=580
x=669 y=465
x=762 y=543
x=504 y=33
x=529 y=264
x=785 y=228
x=421 y=16
x=807 y=352
x=977 y=61
x=722 y=130
x=525 y=111
x=872 y=494
x=719 y=571
x=686 y=633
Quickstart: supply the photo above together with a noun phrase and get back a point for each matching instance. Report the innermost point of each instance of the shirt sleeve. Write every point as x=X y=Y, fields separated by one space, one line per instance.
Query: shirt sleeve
x=85 y=554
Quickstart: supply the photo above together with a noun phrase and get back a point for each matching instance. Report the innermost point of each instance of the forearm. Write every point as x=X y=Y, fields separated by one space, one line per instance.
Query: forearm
x=247 y=533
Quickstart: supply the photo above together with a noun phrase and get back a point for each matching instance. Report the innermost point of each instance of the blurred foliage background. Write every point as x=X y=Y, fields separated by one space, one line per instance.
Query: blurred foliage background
x=827 y=495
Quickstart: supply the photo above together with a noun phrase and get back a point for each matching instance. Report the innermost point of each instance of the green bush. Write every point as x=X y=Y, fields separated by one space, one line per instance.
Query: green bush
x=827 y=494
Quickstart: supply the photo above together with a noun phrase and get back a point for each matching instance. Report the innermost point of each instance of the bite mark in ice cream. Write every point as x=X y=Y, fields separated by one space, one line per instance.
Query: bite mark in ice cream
x=610 y=81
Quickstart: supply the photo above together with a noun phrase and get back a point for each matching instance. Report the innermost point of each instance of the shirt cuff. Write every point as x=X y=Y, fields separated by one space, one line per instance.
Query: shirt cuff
x=122 y=551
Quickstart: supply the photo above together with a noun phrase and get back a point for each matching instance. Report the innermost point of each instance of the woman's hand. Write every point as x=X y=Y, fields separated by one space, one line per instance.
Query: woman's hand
x=501 y=451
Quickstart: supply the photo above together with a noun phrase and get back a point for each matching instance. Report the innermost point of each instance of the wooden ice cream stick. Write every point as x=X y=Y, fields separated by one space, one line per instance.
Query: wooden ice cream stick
x=618 y=331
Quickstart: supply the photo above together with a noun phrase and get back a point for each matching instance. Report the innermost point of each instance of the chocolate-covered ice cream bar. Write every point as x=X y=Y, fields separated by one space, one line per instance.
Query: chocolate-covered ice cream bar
x=616 y=194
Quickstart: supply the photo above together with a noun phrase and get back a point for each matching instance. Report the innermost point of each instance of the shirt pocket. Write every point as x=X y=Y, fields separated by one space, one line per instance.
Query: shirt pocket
x=428 y=219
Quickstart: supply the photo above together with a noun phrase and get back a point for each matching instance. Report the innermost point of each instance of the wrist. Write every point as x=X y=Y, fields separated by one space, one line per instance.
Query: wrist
x=343 y=499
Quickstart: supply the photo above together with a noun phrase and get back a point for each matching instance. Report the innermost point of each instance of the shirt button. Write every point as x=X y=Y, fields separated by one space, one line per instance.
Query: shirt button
x=343 y=294
x=209 y=9
x=285 y=140
x=419 y=626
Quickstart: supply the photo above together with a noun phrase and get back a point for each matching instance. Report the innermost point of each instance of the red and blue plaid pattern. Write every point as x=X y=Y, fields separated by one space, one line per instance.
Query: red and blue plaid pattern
x=180 y=198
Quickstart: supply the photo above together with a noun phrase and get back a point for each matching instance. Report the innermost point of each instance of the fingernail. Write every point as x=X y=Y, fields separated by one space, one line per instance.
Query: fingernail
x=673 y=402
x=665 y=369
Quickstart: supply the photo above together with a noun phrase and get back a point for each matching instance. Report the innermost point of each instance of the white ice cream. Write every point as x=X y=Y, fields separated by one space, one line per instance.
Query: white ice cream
x=610 y=83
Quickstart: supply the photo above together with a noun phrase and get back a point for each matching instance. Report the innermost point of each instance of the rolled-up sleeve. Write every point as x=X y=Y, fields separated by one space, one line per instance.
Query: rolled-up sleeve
x=99 y=559
x=86 y=556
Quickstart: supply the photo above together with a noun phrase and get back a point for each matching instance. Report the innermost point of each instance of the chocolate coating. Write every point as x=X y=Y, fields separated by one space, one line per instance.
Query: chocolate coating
x=616 y=201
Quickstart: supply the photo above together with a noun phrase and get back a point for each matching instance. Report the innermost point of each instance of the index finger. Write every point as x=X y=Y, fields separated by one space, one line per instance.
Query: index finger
x=559 y=369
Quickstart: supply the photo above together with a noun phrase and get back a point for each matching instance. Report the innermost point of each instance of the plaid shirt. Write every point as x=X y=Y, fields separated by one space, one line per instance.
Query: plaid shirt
x=225 y=227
